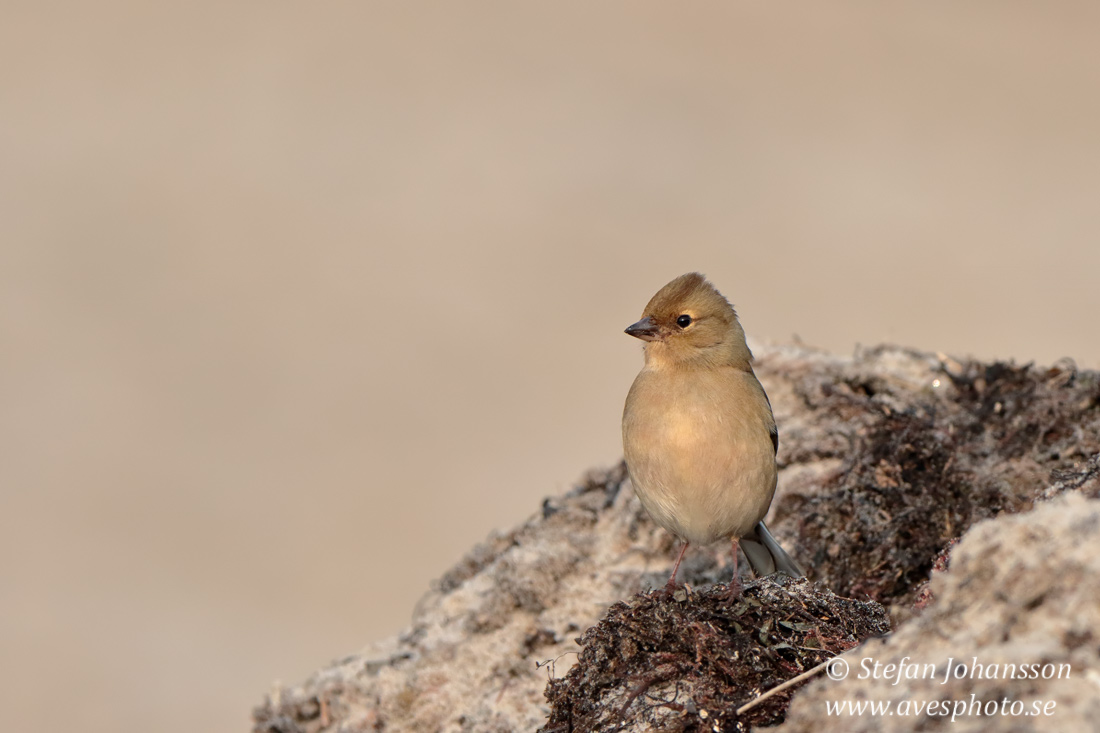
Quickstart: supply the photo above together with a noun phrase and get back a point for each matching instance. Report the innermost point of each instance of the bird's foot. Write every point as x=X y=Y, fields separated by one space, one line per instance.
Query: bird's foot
x=670 y=589
x=674 y=592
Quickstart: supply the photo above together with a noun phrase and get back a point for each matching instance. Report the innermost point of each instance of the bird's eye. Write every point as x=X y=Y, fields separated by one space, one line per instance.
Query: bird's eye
x=683 y=321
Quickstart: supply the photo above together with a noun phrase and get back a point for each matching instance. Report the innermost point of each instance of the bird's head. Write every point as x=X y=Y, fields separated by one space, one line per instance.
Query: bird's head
x=689 y=322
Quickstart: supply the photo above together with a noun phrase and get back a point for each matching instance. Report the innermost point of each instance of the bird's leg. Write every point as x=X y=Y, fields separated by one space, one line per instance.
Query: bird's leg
x=735 y=584
x=672 y=578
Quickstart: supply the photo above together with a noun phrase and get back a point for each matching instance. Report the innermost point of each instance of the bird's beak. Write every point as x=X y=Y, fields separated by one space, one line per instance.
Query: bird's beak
x=645 y=329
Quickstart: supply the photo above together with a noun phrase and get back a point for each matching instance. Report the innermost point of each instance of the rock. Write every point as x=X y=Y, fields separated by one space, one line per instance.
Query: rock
x=1015 y=629
x=885 y=459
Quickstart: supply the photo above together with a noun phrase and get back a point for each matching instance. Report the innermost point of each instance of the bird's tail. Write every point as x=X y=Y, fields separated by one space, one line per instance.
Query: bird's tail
x=766 y=556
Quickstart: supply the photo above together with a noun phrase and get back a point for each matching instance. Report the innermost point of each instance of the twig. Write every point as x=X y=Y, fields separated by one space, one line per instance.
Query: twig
x=779 y=688
x=657 y=678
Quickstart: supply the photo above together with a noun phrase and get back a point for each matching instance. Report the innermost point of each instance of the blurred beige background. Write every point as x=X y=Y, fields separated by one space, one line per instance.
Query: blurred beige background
x=298 y=301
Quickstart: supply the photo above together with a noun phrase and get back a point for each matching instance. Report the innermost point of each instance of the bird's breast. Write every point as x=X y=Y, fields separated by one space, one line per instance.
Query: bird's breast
x=699 y=452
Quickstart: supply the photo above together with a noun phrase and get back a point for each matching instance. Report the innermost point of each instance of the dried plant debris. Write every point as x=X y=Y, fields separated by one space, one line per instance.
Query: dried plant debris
x=926 y=460
x=878 y=524
x=1082 y=478
x=689 y=661
x=924 y=593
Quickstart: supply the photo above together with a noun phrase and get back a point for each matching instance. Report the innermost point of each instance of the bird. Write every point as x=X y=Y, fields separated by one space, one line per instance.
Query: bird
x=699 y=437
